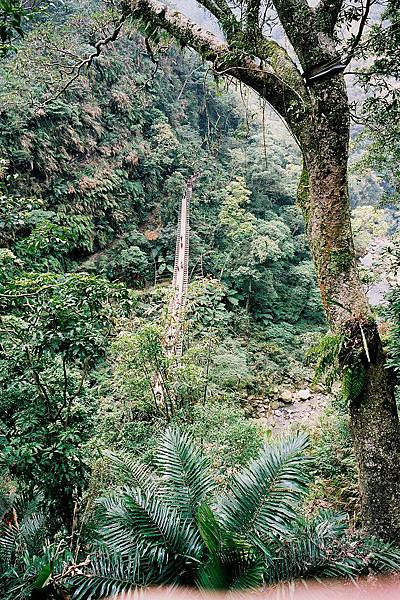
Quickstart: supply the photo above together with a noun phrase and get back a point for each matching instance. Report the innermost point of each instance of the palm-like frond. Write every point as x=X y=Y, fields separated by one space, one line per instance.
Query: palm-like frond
x=22 y=527
x=232 y=563
x=381 y=556
x=317 y=549
x=252 y=537
x=184 y=472
x=263 y=496
x=232 y=570
x=7 y=544
x=107 y=575
x=134 y=474
x=137 y=520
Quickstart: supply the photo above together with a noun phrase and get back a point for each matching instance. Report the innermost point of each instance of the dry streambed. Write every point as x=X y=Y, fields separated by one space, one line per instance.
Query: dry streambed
x=288 y=408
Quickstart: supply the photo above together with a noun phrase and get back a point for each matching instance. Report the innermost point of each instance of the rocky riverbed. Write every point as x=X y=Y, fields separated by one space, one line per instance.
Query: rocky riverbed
x=287 y=408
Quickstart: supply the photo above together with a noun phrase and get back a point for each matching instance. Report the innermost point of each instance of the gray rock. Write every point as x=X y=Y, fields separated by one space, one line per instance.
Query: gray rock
x=286 y=396
x=303 y=394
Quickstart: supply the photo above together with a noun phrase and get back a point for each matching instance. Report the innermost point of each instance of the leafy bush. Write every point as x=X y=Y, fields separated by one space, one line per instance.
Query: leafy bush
x=30 y=565
x=335 y=469
x=226 y=436
x=55 y=332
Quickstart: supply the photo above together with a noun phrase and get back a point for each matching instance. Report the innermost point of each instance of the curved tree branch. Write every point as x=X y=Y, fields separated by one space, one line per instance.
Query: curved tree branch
x=359 y=34
x=279 y=83
x=85 y=63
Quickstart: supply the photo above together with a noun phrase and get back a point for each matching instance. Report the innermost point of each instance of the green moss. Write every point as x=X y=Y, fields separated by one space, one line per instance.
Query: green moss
x=302 y=196
x=340 y=261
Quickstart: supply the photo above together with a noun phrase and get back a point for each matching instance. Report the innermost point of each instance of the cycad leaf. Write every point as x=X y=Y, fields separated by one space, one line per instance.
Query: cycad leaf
x=316 y=550
x=106 y=576
x=250 y=574
x=143 y=520
x=382 y=556
x=133 y=473
x=234 y=569
x=263 y=496
x=7 y=544
x=184 y=471
x=210 y=529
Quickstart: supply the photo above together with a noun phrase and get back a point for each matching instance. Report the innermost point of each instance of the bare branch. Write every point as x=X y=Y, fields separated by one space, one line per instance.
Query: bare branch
x=85 y=63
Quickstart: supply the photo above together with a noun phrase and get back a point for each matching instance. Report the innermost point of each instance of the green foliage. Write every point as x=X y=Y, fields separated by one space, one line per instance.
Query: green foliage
x=325 y=355
x=393 y=314
x=335 y=470
x=14 y=15
x=227 y=437
x=177 y=537
x=173 y=527
x=380 y=140
x=28 y=561
x=140 y=357
x=353 y=379
x=55 y=330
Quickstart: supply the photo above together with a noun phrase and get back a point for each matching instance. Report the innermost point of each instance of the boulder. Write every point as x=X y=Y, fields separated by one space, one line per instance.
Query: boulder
x=286 y=396
x=303 y=394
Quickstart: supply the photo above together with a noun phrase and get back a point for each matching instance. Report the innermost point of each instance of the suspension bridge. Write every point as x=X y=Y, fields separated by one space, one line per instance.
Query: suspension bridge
x=173 y=338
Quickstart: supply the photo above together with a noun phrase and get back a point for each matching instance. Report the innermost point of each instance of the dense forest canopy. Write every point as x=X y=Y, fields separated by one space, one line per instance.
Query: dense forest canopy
x=124 y=464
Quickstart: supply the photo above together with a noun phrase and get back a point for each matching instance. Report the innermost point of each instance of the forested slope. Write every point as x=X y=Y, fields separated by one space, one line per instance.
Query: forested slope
x=91 y=184
x=91 y=179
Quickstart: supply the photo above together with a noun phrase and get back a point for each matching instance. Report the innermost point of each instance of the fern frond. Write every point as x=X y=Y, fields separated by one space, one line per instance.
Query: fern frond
x=325 y=356
x=353 y=380
x=263 y=496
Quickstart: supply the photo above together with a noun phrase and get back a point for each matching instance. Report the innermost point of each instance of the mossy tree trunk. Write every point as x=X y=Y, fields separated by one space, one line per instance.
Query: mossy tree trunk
x=316 y=109
x=323 y=196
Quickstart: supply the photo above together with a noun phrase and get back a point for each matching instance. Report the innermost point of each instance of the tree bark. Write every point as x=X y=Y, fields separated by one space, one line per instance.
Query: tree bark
x=375 y=429
x=323 y=196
